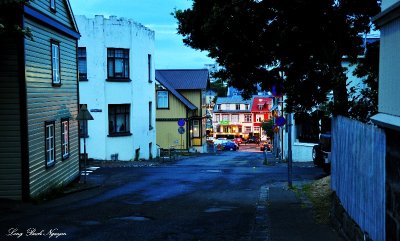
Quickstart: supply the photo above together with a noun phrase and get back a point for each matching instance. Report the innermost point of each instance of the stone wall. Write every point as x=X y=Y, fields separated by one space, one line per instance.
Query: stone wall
x=344 y=224
x=392 y=185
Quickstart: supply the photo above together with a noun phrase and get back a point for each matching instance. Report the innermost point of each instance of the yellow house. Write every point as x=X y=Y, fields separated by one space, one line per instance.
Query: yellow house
x=181 y=108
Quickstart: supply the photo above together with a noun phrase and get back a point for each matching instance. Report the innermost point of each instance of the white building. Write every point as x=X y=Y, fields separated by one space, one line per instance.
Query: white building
x=116 y=73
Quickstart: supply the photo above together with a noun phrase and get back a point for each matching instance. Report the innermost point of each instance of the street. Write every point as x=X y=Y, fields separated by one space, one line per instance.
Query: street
x=222 y=196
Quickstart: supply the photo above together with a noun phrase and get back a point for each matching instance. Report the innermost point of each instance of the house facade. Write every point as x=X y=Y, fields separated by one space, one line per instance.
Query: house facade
x=388 y=21
x=261 y=111
x=116 y=82
x=39 y=145
x=181 y=102
x=232 y=117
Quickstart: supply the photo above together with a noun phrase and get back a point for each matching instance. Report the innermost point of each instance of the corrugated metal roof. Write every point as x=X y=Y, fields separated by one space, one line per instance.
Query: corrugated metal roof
x=162 y=80
x=186 y=79
x=236 y=99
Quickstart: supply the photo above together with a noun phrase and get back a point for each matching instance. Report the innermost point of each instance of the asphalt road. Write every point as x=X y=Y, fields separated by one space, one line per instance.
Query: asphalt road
x=208 y=197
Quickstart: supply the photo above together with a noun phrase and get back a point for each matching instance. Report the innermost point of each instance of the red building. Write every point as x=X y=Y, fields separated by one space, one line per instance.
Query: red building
x=261 y=111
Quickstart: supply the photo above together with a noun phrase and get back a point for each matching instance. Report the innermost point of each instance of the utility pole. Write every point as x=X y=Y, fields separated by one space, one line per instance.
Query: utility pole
x=289 y=123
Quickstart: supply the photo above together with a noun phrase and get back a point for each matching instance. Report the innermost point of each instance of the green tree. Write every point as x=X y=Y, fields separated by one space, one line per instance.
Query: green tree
x=266 y=126
x=9 y=23
x=296 y=46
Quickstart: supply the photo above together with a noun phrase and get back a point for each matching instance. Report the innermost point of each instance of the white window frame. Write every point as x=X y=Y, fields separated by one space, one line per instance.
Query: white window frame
x=55 y=63
x=235 y=118
x=65 y=138
x=196 y=128
x=165 y=97
x=50 y=144
x=247 y=118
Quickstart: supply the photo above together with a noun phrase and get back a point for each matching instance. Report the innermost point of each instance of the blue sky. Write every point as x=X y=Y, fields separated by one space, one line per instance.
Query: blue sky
x=170 y=51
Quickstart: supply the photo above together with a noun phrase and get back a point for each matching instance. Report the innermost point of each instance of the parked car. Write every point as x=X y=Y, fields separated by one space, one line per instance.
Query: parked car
x=265 y=145
x=238 y=140
x=321 y=153
x=230 y=146
x=252 y=139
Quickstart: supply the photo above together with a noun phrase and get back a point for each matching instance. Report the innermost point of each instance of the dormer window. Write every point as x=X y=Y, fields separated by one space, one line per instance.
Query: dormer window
x=260 y=107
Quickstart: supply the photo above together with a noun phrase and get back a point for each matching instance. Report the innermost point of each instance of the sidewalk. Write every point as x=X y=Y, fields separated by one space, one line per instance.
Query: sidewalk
x=282 y=215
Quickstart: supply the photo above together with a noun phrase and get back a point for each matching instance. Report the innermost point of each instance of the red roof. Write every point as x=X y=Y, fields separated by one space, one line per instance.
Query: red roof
x=264 y=101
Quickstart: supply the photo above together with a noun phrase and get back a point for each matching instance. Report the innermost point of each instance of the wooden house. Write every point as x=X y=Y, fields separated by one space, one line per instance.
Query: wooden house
x=38 y=99
x=180 y=95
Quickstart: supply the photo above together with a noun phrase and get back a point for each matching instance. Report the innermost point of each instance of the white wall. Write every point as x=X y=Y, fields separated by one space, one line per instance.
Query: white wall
x=389 y=69
x=98 y=34
x=387 y=3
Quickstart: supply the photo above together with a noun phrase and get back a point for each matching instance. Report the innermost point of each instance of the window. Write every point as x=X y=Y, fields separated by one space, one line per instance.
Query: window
x=149 y=68
x=237 y=106
x=247 y=129
x=162 y=99
x=257 y=129
x=218 y=107
x=55 y=63
x=83 y=126
x=50 y=144
x=225 y=117
x=227 y=107
x=196 y=128
x=150 y=115
x=53 y=5
x=150 y=151
x=118 y=64
x=247 y=118
x=235 y=118
x=82 y=64
x=65 y=138
x=119 y=120
x=259 y=118
x=247 y=106
x=260 y=107
x=217 y=118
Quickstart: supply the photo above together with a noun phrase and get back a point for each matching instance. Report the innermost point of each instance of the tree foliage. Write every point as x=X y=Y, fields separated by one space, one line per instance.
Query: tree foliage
x=365 y=104
x=9 y=23
x=295 y=45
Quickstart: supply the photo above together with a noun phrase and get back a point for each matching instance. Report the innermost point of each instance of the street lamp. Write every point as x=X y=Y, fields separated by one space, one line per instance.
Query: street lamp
x=84 y=115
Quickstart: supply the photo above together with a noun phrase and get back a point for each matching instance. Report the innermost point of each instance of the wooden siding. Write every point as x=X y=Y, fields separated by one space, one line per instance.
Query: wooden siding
x=193 y=96
x=46 y=103
x=10 y=133
x=61 y=15
x=167 y=134
x=176 y=109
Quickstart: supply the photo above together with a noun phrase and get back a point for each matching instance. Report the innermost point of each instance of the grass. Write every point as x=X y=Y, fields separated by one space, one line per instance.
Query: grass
x=320 y=195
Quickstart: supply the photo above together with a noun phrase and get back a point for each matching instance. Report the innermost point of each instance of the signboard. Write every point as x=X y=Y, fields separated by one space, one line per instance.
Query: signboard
x=281 y=121
x=224 y=122
x=181 y=122
x=181 y=130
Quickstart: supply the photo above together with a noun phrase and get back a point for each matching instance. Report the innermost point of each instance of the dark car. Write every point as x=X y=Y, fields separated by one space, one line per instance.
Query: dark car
x=321 y=153
x=252 y=139
x=230 y=146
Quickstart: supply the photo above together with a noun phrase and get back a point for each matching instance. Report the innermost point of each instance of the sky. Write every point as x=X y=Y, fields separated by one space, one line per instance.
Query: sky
x=170 y=52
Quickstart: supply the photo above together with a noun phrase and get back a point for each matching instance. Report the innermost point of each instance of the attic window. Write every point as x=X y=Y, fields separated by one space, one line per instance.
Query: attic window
x=53 y=5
